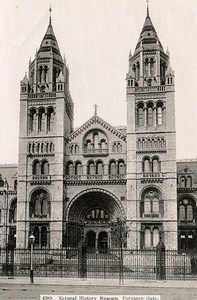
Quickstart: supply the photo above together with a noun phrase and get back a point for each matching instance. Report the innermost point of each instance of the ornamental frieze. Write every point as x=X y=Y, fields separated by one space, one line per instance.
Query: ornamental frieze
x=94 y=182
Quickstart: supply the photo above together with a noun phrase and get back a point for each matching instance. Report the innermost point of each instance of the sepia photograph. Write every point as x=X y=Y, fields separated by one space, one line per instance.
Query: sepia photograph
x=98 y=155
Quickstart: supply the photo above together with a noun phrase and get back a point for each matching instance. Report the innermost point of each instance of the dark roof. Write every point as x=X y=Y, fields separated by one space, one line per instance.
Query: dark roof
x=49 y=44
x=10 y=173
x=148 y=37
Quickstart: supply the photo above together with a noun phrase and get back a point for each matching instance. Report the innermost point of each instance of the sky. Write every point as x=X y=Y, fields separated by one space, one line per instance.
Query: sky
x=96 y=36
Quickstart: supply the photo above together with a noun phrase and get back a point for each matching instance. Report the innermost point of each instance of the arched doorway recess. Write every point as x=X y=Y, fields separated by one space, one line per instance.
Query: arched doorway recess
x=95 y=209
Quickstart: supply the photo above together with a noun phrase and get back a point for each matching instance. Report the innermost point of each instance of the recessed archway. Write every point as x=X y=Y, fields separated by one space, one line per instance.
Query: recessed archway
x=94 y=210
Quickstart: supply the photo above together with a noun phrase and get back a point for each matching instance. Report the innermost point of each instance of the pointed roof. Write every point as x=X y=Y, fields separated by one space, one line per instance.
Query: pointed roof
x=49 y=44
x=25 y=79
x=148 y=37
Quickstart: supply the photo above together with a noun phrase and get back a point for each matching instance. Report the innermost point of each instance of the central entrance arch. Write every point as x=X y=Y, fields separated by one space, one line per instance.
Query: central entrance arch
x=95 y=209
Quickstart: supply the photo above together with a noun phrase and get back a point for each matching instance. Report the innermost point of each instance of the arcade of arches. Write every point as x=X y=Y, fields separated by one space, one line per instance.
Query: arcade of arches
x=95 y=210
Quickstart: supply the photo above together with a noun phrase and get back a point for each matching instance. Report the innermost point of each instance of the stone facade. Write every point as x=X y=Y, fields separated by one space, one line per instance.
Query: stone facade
x=88 y=178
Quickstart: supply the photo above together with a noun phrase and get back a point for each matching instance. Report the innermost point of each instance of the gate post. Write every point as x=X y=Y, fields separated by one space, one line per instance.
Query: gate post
x=82 y=261
x=160 y=260
x=10 y=259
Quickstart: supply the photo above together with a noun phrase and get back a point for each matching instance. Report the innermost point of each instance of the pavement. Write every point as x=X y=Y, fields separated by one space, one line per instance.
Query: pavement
x=180 y=284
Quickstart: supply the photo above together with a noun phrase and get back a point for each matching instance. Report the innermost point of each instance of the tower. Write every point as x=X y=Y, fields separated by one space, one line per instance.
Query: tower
x=46 y=119
x=151 y=148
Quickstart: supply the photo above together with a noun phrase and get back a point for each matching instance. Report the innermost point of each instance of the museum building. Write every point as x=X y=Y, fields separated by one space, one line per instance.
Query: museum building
x=79 y=182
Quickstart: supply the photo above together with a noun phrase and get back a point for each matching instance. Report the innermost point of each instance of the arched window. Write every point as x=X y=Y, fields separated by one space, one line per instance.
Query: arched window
x=15 y=184
x=137 y=70
x=45 y=168
x=147 y=206
x=70 y=168
x=96 y=146
x=36 y=168
x=112 y=168
x=189 y=212
x=99 y=168
x=151 y=204
x=78 y=168
x=39 y=204
x=121 y=167
x=189 y=182
x=32 y=120
x=89 y=144
x=160 y=114
x=147 y=238
x=146 y=65
x=41 y=119
x=155 y=205
x=146 y=166
x=150 y=114
x=91 y=168
x=152 y=67
x=155 y=165
x=140 y=115
x=50 y=119
x=187 y=208
x=13 y=212
x=181 y=212
x=155 y=237
x=103 y=144
x=183 y=182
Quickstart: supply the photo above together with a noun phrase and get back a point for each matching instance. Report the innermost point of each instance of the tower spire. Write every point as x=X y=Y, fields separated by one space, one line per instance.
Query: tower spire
x=147 y=1
x=50 y=10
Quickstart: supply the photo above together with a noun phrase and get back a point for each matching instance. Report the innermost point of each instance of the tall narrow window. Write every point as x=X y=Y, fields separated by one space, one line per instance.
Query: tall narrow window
x=91 y=168
x=150 y=116
x=45 y=168
x=189 y=213
x=70 y=169
x=155 y=204
x=152 y=67
x=32 y=121
x=121 y=168
x=37 y=208
x=78 y=168
x=112 y=168
x=146 y=165
x=140 y=115
x=159 y=115
x=147 y=238
x=50 y=119
x=44 y=207
x=36 y=167
x=96 y=141
x=183 y=182
x=189 y=182
x=146 y=67
x=41 y=120
x=99 y=168
x=181 y=212
x=147 y=206
x=155 y=237
x=156 y=165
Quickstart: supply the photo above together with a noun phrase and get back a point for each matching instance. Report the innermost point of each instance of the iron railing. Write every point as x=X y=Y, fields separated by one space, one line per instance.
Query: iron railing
x=99 y=263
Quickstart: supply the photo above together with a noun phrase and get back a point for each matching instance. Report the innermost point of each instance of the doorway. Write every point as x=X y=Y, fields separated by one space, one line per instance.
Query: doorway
x=103 y=241
x=91 y=240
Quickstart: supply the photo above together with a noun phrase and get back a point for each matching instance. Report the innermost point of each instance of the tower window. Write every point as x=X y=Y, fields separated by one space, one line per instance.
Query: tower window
x=140 y=114
x=150 y=115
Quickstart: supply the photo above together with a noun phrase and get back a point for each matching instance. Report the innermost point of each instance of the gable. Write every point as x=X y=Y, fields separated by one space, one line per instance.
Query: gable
x=97 y=123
